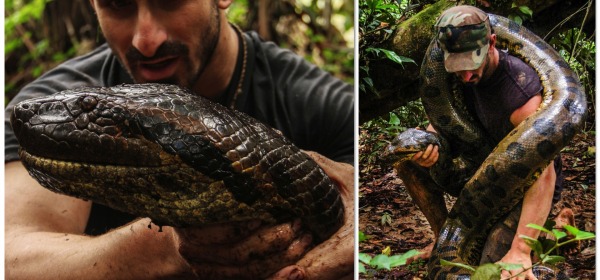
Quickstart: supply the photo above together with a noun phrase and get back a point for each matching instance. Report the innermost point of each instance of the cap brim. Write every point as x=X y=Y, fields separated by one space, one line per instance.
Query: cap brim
x=465 y=61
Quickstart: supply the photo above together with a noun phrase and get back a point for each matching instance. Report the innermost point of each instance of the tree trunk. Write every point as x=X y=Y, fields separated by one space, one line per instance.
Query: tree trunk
x=396 y=85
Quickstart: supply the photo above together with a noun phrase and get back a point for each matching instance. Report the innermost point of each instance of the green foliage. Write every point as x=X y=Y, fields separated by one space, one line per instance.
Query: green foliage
x=520 y=13
x=579 y=50
x=19 y=13
x=377 y=21
x=238 y=12
x=542 y=248
x=29 y=49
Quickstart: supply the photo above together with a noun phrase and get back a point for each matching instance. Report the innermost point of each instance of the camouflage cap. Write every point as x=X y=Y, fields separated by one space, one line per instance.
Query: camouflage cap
x=463 y=33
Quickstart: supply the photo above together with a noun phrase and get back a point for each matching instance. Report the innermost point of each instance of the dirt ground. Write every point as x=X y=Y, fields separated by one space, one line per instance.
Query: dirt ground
x=382 y=195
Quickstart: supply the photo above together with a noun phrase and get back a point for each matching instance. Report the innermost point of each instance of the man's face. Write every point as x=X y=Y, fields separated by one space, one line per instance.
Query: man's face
x=472 y=76
x=161 y=41
x=485 y=69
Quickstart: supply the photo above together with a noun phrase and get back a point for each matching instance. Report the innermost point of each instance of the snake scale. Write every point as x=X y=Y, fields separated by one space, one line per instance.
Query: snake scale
x=491 y=179
x=159 y=151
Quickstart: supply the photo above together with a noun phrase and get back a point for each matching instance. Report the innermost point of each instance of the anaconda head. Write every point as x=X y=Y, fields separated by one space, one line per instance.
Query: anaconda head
x=159 y=151
x=407 y=144
x=95 y=125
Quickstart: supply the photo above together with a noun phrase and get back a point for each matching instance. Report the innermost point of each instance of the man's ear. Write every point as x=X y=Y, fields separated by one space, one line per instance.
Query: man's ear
x=492 y=39
x=223 y=4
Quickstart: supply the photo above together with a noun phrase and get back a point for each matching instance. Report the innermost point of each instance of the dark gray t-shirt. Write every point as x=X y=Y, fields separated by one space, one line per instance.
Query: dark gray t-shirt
x=495 y=99
x=308 y=105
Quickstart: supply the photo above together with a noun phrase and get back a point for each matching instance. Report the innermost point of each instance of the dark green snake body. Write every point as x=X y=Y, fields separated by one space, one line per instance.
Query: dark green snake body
x=494 y=178
x=158 y=151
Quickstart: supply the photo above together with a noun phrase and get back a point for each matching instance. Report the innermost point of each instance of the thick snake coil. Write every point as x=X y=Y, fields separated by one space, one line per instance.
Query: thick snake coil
x=158 y=151
x=503 y=173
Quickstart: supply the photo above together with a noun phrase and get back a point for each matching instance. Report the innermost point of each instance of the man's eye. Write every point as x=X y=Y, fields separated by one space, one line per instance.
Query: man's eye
x=120 y=4
x=116 y=4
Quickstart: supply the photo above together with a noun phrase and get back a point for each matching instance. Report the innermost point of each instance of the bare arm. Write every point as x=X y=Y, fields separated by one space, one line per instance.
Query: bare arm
x=44 y=239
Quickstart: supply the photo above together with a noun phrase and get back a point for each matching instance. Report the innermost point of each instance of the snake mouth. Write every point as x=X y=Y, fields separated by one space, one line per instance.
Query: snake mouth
x=65 y=168
x=393 y=154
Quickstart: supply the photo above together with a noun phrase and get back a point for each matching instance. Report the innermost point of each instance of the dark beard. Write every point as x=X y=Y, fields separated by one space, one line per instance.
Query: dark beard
x=206 y=51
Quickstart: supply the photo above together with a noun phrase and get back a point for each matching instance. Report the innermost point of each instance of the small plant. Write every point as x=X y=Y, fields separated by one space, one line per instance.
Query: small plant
x=386 y=218
x=542 y=249
x=383 y=260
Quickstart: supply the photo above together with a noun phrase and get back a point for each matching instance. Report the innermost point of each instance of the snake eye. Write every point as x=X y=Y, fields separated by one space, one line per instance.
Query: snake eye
x=88 y=103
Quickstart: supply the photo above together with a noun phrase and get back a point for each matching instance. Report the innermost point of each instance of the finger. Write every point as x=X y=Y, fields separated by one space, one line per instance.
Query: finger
x=417 y=157
x=220 y=233
x=264 y=242
x=428 y=151
x=292 y=272
x=341 y=173
x=530 y=275
x=434 y=155
x=258 y=268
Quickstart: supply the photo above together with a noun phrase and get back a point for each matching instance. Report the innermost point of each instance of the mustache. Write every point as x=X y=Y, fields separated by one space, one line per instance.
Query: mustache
x=168 y=48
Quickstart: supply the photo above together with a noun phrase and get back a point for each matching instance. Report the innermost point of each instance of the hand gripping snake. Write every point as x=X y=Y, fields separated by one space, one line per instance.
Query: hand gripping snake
x=159 y=151
x=493 y=178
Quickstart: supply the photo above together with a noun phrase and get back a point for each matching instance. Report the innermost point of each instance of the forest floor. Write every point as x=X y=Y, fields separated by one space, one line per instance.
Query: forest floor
x=382 y=194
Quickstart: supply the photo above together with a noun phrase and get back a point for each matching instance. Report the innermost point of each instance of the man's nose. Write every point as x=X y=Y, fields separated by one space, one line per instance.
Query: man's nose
x=149 y=32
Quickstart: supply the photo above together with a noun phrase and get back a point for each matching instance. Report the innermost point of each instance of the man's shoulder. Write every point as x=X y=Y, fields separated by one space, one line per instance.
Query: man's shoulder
x=515 y=64
x=523 y=75
x=97 y=56
x=270 y=51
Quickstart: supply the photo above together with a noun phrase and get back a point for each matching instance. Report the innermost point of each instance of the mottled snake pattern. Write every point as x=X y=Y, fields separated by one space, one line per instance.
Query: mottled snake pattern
x=491 y=179
x=159 y=151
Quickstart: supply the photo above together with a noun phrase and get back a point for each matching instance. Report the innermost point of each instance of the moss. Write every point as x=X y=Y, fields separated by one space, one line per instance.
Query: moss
x=413 y=35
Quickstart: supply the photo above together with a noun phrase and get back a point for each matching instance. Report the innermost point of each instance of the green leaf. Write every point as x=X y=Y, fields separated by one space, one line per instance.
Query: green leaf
x=362 y=236
x=381 y=261
x=540 y=228
x=37 y=71
x=461 y=265
x=517 y=19
x=572 y=230
x=361 y=268
x=553 y=259
x=510 y=266
x=526 y=11
x=559 y=234
x=368 y=81
x=395 y=57
x=394 y=120
x=398 y=260
x=579 y=234
x=365 y=258
x=534 y=244
x=487 y=271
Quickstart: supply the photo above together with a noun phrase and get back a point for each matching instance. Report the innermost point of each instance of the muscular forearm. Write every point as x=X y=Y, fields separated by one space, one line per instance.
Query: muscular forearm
x=130 y=252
